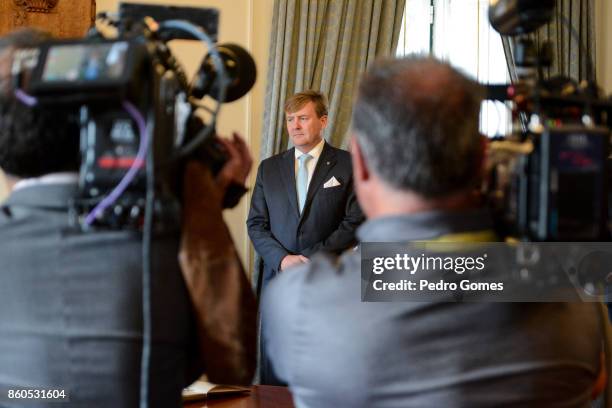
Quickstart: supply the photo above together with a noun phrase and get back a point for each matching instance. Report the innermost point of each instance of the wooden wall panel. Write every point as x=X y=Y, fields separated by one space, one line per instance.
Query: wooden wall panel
x=62 y=18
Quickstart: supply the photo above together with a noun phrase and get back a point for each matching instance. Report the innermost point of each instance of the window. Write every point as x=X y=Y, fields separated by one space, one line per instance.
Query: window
x=458 y=31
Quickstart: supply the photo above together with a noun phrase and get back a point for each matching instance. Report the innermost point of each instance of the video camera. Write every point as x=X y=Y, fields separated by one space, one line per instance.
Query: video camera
x=140 y=117
x=550 y=178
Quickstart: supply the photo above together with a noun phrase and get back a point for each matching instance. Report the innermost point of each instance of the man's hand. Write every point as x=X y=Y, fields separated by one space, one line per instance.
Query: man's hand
x=224 y=305
x=203 y=190
x=238 y=165
x=293 y=260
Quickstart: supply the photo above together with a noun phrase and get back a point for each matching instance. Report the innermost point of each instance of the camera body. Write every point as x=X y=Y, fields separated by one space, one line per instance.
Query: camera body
x=558 y=190
x=140 y=118
x=549 y=180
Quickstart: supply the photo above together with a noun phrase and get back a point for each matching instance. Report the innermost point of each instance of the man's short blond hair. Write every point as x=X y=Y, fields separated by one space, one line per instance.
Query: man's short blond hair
x=296 y=102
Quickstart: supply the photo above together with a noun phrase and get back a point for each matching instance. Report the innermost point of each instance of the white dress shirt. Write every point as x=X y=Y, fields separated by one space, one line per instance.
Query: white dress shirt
x=315 y=152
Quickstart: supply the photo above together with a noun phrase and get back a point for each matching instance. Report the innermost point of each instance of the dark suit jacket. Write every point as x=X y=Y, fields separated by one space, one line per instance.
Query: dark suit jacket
x=329 y=218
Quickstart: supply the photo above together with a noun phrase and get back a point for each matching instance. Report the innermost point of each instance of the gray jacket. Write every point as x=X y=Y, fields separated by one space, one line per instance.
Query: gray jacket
x=336 y=351
x=71 y=309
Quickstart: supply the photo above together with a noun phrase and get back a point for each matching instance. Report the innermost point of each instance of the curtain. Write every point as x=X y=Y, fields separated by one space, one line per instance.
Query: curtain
x=324 y=45
x=572 y=57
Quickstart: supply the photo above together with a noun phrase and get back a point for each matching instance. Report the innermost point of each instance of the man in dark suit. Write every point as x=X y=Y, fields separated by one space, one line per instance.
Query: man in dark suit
x=303 y=201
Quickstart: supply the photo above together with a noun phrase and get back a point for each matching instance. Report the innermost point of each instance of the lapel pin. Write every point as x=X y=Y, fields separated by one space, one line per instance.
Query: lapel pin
x=328 y=163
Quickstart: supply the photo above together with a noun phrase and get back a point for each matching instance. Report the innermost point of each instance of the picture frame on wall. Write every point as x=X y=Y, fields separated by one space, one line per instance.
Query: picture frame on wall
x=62 y=18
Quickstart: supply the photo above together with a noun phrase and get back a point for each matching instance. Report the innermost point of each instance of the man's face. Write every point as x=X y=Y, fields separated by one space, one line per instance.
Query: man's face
x=305 y=127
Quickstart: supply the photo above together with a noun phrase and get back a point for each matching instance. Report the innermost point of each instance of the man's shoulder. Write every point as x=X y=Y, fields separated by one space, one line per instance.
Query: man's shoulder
x=272 y=163
x=338 y=151
x=341 y=156
x=277 y=157
x=39 y=198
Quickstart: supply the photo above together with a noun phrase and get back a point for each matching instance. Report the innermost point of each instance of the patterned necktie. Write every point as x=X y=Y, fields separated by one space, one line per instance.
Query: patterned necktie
x=302 y=179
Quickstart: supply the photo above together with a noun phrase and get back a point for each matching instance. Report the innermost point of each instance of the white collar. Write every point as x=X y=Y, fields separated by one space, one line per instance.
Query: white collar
x=315 y=152
x=51 y=178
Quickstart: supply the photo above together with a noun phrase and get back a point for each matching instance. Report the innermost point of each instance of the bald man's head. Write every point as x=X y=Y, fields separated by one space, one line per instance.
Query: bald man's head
x=416 y=120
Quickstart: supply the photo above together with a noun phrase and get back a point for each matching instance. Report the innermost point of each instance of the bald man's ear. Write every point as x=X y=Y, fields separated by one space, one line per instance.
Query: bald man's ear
x=360 y=167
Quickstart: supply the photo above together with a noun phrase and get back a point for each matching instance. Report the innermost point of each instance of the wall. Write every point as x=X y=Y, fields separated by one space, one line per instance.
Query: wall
x=247 y=23
x=3 y=189
x=604 y=44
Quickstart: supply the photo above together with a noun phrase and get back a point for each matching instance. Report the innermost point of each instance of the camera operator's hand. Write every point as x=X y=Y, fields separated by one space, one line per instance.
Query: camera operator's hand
x=224 y=305
x=238 y=165
x=221 y=294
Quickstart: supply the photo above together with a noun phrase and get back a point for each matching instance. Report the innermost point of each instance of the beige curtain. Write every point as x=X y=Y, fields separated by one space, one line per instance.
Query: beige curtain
x=324 y=45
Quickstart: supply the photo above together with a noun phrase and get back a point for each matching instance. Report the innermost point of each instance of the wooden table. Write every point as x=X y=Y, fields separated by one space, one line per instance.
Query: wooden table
x=261 y=396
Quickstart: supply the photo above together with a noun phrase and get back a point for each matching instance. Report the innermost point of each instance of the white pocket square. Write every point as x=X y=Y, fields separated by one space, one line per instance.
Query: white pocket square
x=332 y=182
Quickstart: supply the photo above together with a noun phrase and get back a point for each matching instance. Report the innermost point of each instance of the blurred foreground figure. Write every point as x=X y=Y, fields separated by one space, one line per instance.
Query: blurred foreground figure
x=417 y=156
x=71 y=315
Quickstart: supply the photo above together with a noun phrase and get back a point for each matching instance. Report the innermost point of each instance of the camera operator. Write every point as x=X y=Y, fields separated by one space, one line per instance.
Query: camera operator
x=417 y=158
x=71 y=315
